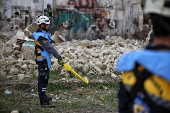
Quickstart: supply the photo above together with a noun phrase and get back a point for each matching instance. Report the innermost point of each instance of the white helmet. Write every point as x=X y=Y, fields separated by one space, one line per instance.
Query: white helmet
x=161 y=7
x=43 y=19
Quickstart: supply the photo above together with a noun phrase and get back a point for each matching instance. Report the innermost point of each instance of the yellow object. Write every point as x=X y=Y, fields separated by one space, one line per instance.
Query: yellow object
x=129 y=78
x=69 y=68
x=140 y=68
x=139 y=108
x=158 y=87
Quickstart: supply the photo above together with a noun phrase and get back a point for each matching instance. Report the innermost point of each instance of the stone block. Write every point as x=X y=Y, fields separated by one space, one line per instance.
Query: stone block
x=28 y=52
x=96 y=70
x=58 y=37
x=33 y=27
x=27 y=33
x=20 y=35
x=20 y=42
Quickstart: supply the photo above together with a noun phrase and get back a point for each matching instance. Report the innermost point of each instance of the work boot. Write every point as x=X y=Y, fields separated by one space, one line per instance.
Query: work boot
x=49 y=99
x=46 y=104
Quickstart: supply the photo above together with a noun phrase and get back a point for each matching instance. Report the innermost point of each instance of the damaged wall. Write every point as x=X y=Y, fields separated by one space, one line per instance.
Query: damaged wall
x=112 y=17
x=18 y=14
x=9 y=7
x=78 y=19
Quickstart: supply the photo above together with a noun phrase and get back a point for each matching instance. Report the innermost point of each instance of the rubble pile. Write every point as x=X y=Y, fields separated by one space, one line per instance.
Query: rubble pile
x=94 y=57
x=97 y=56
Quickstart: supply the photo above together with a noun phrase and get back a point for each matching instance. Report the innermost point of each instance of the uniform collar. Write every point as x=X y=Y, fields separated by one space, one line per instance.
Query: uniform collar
x=39 y=30
x=157 y=47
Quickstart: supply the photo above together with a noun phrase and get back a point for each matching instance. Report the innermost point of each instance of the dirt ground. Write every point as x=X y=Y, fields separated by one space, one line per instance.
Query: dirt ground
x=91 y=110
x=68 y=98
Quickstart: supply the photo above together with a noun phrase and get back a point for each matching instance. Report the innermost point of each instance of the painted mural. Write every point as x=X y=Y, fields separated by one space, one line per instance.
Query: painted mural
x=78 y=19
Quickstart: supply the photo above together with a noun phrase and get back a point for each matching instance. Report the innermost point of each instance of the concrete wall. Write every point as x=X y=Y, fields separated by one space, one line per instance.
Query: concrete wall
x=112 y=17
x=126 y=14
x=8 y=7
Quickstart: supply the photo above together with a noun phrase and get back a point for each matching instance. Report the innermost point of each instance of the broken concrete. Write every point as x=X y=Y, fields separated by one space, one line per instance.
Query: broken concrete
x=28 y=52
x=58 y=37
x=88 y=55
x=96 y=57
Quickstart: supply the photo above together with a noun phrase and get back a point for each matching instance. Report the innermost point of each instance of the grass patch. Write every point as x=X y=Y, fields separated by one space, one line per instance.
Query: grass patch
x=58 y=86
x=55 y=76
x=70 y=95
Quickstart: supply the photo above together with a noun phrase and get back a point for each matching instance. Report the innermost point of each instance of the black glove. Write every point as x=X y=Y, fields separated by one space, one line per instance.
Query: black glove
x=60 y=61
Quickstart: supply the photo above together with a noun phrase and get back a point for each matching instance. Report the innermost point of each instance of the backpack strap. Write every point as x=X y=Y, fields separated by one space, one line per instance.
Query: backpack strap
x=141 y=75
x=38 y=47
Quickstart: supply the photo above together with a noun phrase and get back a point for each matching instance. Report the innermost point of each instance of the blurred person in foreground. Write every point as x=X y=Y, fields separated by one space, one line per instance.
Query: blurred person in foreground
x=43 y=51
x=145 y=85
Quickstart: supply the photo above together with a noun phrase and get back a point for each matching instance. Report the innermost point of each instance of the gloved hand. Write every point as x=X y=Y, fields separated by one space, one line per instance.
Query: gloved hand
x=60 y=61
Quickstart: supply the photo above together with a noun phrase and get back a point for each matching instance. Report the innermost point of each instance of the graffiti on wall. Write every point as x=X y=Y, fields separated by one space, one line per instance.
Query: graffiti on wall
x=109 y=17
x=80 y=19
x=83 y=21
x=82 y=3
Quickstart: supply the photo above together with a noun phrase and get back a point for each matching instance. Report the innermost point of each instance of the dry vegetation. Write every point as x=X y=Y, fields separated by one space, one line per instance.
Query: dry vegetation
x=96 y=97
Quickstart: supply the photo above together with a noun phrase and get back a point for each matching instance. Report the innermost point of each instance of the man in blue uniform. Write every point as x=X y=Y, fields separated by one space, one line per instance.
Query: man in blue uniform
x=43 y=51
x=145 y=85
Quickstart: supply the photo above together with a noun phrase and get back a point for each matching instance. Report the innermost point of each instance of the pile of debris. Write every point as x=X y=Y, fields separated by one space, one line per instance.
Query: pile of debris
x=94 y=57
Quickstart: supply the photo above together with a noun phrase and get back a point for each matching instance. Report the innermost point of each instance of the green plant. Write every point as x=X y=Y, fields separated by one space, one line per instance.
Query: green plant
x=55 y=75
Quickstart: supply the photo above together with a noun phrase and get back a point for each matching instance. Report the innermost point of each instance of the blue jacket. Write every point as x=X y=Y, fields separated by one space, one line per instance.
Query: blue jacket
x=157 y=62
x=44 y=53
